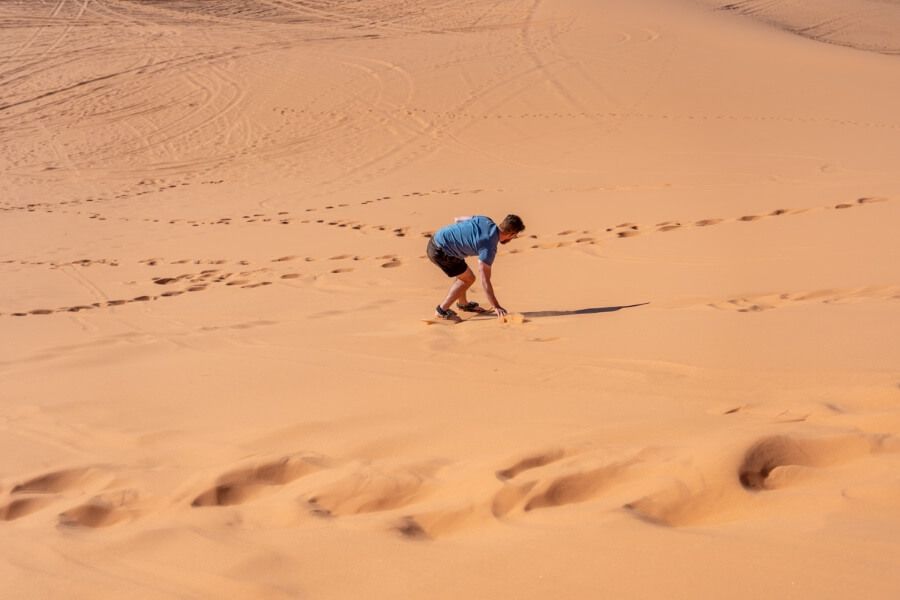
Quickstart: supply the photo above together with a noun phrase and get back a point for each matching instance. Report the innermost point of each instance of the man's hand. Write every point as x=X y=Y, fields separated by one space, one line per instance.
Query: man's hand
x=501 y=312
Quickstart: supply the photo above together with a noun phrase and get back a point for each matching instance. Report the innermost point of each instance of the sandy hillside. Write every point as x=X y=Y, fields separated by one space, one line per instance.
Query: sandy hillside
x=872 y=25
x=214 y=378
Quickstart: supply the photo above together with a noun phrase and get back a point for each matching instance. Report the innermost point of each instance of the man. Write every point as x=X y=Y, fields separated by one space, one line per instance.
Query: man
x=470 y=236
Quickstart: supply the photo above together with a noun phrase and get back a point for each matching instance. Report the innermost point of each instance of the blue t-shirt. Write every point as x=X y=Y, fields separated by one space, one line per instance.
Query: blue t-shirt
x=477 y=236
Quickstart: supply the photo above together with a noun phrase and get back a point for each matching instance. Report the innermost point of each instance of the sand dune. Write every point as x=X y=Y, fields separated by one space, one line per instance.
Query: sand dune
x=869 y=25
x=216 y=377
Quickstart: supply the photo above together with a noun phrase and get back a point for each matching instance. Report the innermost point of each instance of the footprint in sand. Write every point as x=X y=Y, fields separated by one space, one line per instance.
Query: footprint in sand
x=341 y=270
x=21 y=507
x=669 y=227
x=707 y=222
x=102 y=511
x=391 y=264
x=532 y=461
x=290 y=276
x=166 y=280
x=34 y=494
x=369 y=492
x=526 y=496
x=576 y=487
x=242 y=485
x=770 y=462
x=72 y=308
x=56 y=481
x=749 y=218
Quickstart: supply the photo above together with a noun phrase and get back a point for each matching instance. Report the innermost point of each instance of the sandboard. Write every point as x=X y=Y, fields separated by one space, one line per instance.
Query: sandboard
x=460 y=317
x=436 y=321
x=487 y=315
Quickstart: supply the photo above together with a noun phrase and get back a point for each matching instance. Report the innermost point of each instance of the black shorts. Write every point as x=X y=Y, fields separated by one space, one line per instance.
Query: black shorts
x=452 y=266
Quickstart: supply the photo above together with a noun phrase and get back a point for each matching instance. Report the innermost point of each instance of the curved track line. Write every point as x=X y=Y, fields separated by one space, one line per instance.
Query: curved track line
x=30 y=40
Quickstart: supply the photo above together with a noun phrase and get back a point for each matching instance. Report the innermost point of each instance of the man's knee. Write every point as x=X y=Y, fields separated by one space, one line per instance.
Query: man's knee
x=468 y=277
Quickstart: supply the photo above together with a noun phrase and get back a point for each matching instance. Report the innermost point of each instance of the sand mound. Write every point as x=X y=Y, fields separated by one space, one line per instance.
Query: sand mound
x=869 y=25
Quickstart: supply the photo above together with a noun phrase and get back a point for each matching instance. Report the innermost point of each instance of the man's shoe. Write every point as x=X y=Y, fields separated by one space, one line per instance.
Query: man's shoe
x=448 y=314
x=472 y=307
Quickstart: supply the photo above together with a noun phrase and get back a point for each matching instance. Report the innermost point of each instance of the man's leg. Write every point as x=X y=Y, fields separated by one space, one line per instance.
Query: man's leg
x=463 y=282
x=463 y=299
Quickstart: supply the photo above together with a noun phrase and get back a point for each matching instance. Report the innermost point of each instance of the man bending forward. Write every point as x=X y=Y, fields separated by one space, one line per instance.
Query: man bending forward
x=470 y=236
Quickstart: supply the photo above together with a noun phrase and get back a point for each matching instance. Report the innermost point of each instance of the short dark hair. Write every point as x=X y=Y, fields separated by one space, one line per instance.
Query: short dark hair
x=512 y=224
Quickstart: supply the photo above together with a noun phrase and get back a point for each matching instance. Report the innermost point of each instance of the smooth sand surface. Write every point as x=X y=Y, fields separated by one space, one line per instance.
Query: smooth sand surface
x=216 y=381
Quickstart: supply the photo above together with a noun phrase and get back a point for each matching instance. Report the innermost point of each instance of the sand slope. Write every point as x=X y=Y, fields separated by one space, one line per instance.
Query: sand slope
x=215 y=377
x=869 y=25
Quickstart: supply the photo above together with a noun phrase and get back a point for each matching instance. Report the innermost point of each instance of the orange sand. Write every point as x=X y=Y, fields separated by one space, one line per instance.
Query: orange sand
x=216 y=382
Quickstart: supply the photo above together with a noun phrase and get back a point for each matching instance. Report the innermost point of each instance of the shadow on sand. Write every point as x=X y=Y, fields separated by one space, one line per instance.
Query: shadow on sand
x=536 y=314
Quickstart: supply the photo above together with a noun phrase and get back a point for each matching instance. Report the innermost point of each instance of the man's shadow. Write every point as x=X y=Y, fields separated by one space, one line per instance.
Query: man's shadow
x=535 y=314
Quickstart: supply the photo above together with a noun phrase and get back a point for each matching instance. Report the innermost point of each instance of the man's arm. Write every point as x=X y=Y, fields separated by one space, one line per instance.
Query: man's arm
x=485 y=270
